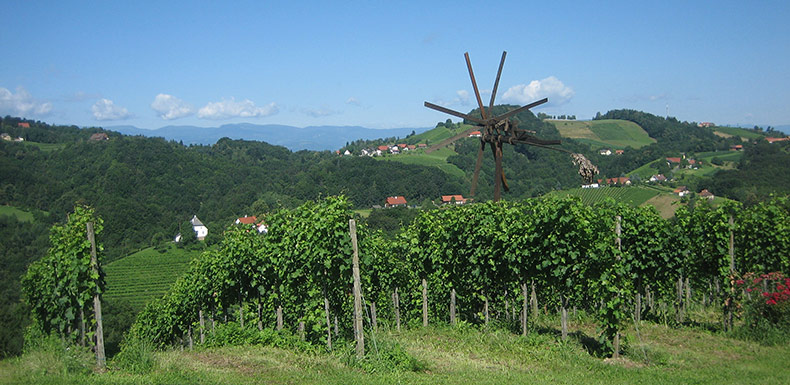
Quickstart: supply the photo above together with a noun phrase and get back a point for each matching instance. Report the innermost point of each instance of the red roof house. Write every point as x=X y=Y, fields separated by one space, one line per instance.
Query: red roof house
x=23 y=124
x=384 y=148
x=395 y=201
x=457 y=199
x=772 y=140
x=246 y=220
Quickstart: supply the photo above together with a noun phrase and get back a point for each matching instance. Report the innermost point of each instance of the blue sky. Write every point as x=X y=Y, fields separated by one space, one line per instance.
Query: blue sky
x=373 y=64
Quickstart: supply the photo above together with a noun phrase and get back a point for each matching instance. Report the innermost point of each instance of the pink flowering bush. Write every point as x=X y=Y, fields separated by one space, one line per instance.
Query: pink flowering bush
x=766 y=307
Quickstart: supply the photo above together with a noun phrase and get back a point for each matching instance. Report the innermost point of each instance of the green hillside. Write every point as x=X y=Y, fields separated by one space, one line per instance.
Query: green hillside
x=612 y=133
x=21 y=215
x=437 y=158
x=745 y=134
x=145 y=275
x=633 y=195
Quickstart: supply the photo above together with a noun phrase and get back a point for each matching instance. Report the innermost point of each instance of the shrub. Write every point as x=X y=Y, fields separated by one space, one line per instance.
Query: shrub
x=136 y=356
x=766 y=309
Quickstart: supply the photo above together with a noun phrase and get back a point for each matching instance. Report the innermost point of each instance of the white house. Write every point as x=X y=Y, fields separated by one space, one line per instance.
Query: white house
x=200 y=229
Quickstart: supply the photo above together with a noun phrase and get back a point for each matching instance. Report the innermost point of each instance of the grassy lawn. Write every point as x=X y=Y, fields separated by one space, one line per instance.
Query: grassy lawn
x=21 y=215
x=653 y=354
x=47 y=147
x=604 y=133
x=735 y=131
x=437 y=158
x=146 y=274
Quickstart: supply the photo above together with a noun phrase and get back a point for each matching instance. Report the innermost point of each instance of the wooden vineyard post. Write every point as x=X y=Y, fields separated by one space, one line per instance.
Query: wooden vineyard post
x=533 y=298
x=424 y=303
x=279 y=317
x=328 y=324
x=452 y=307
x=359 y=334
x=202 y=327
x=731 y=298
x=618 y=230
x=485 y=307
x=524 y=310
x=101 y=360
x=396 y=303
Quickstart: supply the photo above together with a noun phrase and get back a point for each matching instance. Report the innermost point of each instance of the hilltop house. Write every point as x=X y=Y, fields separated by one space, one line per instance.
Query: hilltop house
x=706 y=194
x=396 y=201
x=261 y=227
x=453 y=199
x=99 y=136
x=658 y=178
x=200 y=229
x=773 y=140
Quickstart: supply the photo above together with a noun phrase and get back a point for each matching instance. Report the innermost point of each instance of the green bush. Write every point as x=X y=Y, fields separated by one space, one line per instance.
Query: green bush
x=383 y=355
x=136 y=356
x=766 y=313
x=231 y=334
x=48 y=354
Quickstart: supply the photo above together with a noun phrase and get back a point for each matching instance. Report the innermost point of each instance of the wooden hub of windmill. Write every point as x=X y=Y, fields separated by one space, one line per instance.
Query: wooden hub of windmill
x=498 y=130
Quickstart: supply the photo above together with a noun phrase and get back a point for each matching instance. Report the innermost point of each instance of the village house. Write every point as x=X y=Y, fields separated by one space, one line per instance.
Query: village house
x=475 y=134
x=706 y=194
x=774 y=140
x=395 y=201
x=605 y=151
x=591 y=185
x=23 y=125
x=619 y=152
x=623 y=181
x=99 y=136
x=736 y=147
x=261 y=227
x=705 y=124
x=200 y=229
x=658 y=178
x=453 y=199
x=681 y=191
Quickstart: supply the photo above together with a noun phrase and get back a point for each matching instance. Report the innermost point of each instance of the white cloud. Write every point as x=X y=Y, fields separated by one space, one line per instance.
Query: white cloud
x=353 y=101
x=463 y=97
x=105 y=109
x=550 y=87
x=170 y=107
x=233 y=109
x=21 y=103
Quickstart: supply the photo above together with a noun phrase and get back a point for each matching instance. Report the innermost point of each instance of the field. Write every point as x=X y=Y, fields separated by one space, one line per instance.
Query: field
x=631 y=195
x=735 y=131
x=654 y=354
x=604 y=133
x=47 y=147
x=145 y=275
x=437 y=158
x=21 y=215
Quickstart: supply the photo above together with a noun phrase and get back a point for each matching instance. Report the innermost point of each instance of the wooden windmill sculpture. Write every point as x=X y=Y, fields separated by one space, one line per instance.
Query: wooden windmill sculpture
x=498 y=130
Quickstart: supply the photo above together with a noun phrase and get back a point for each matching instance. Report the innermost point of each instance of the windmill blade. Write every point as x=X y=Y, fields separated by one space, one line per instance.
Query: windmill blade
x=477 y=167
x=450 y=140
x=520 y=109
x=474 y=85
x=454 y=113
x=496 y=82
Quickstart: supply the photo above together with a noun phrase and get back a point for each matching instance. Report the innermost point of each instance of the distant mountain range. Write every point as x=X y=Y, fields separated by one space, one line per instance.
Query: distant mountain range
x=316 y=138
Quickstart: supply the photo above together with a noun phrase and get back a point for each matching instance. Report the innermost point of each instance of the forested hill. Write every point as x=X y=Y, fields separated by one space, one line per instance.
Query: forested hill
x=145 y=188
